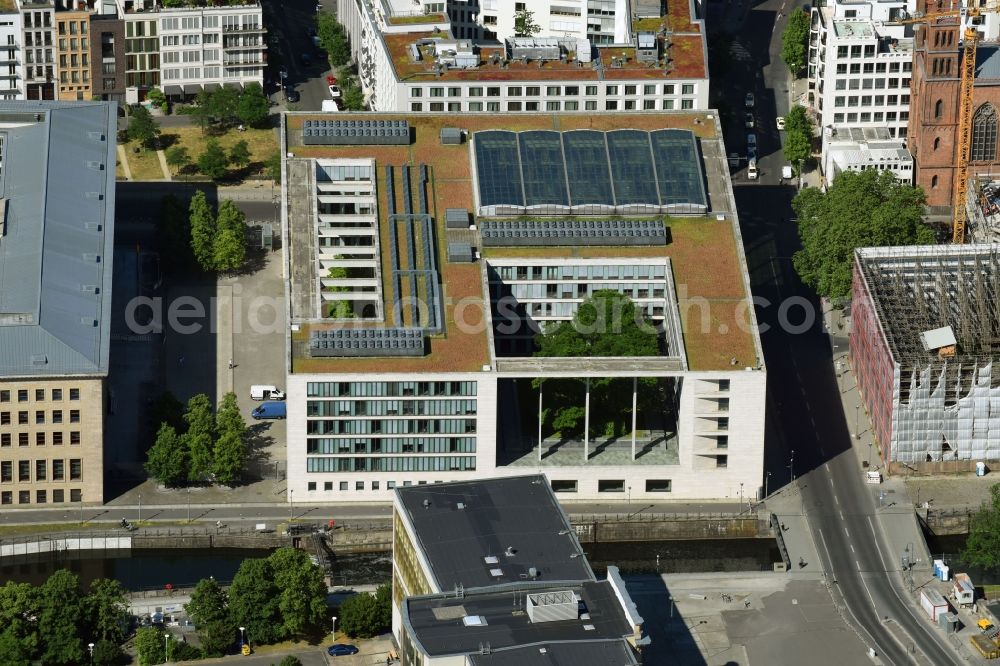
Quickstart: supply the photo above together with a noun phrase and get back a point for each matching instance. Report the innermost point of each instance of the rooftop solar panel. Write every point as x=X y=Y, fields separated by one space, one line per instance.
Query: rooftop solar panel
x=542 y=168
x=498 y=168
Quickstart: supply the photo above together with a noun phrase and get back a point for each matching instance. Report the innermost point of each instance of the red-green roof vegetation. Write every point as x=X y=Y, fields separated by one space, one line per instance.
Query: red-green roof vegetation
x=712 y=300
x=417 y=19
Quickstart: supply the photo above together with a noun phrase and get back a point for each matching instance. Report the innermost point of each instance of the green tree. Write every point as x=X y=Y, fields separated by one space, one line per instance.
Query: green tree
x=254 y=600
x=156 y=96
x=200 y=436
x=229 y=458
x=229 y=248
x=107 y=653
x=794 y=41
x=19 y=609
x=141 y=127
x=107 y=610
x=333 y=39
x=178 y=157
x=224 y=105
x=229 y=418
x=201 y=110
x=352 y=97
x=60 y=618
x=383 y=596
x=798 y=136
x=202 y=222
x=213 y=161
x=209 y=610
x=866 y=208
x=302 y=599
x=254 y=107
x=360 y=616
x=239 y=154
x=982 y=547
x=606 y=324
x=167 y=459
x=290 y=660
x=149 y=645
x=524 y=23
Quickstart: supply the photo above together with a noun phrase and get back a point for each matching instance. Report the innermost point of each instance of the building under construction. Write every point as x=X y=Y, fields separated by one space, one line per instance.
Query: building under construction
x=925 y=346
x=982 y=208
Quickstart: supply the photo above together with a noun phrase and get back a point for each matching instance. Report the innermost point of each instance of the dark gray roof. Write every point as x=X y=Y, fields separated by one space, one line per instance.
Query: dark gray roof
x=57 y=181
x=581 y=653
x=436 y=622
x=988 y=62
x=518 y=512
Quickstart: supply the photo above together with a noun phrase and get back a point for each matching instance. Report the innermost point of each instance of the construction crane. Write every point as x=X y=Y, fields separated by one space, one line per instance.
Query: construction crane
x=967 y=81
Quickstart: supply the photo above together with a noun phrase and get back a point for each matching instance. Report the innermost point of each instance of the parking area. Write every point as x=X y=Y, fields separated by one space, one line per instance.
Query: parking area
x=289 y=30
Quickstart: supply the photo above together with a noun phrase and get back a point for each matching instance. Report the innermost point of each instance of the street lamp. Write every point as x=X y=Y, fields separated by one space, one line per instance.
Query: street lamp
x=242 y=639
x=791 y=466
x=166 y=646
x=766 y=477
x=189 y=504
x=629 y=500
x=857 y=421
x=291 y=503
x=333 y=628
x=139 y=522
x=90 y=648
x=741 y=497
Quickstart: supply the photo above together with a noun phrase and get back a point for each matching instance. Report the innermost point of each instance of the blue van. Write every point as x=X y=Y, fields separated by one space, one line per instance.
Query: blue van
x=270 y=410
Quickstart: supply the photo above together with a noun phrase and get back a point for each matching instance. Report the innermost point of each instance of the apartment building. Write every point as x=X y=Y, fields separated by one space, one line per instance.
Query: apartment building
x=55 y=299
x=410 y=355
x=73 y=54
x=203 y=47
x=499 y=558
x=860 y=62
x=107 y=57
x=142 y=56
x=421 y=63
x=11 y=53
x=934 y=123
x=38 y=21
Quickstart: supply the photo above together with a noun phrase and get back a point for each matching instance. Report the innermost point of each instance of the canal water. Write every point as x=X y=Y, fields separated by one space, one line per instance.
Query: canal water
x=154 y=569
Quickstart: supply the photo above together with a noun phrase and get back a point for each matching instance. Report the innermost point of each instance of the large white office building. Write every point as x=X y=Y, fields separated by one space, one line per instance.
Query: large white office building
x=860 y=64
x=427 y=59
x=11 y=54
x=857 y=149
x=413 y=306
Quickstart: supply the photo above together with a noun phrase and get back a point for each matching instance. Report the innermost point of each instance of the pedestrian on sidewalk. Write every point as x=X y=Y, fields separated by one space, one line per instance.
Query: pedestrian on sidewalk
x=231 y=366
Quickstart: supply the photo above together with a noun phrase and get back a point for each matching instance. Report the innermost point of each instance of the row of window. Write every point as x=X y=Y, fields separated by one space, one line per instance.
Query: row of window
x=23 y=394
x=875 y=117
x=360 y=485
x=588 y=105
x=409 y=464
x=641 y=290
x=856 y=68
x=390 y=407
x=41 y=496
x=391 y=427
x=82 y=45
x=41 y=438
x=552 y=91
x=867 y=100
x=329 y=445
x=22 y=417
x=41 y=470
x=582 y=272
x=868 y=51
x=388 y=389
x=612 y=486
x=872 y=84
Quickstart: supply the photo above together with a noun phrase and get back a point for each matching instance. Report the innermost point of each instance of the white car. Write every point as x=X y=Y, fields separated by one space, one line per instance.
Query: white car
x=748 y=120
x=779 y=122
x=334 y=92
x=748 y=101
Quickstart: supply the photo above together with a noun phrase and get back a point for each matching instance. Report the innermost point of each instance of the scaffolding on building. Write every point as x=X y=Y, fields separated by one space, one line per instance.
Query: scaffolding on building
x=982 y=204
x=946 y=400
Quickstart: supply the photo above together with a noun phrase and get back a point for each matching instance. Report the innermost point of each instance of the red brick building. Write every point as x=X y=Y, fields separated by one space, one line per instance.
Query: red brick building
x=933 y=125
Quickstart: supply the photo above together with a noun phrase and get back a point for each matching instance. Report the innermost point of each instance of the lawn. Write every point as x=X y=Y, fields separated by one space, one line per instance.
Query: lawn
x=262 y=142
x=417 y=19
x=145 y=165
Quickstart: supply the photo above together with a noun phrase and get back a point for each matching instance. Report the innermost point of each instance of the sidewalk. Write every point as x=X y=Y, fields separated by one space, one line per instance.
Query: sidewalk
x=802 y=549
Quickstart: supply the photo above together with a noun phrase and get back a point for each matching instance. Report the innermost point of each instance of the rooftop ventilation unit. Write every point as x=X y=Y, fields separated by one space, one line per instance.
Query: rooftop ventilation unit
x=574 y=233
x=552 y=606
x=533 y=48
x=39 y=359
x=355 y=132
x=451 y=136
x=646 y=48
x=427 y=503
x=584 y=50
x=460 y=253
x=367 y=342
x=456 y=218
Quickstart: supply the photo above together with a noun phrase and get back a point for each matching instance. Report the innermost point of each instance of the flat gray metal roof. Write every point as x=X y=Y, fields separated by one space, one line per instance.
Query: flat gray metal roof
x=57 y=178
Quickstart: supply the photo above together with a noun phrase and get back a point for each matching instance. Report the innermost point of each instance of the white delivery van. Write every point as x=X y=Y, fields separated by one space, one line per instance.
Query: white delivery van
x=786 y=172
x=752 y=170
x=330 y=106
x=266 y=392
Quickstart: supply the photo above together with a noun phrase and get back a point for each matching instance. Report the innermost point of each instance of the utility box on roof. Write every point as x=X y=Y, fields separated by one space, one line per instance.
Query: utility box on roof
x=451 y=136
x=456 y=218
x=459 y=252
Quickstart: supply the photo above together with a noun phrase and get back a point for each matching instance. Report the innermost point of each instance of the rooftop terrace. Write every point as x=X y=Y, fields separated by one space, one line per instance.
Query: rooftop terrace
x=703 y=250
x=686 y=61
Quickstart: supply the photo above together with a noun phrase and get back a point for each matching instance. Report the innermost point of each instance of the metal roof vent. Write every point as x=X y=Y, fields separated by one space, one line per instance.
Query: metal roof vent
x=96 y=166
x=91 y=257
x=460 y=506
x=92 y=226
x=88 y=288
x=427 y=504
x=88 y=321
x=510 y=551
x=39 y=359
x=532 y=572
x=96 y=136
x=94 y=195
x=552 y=606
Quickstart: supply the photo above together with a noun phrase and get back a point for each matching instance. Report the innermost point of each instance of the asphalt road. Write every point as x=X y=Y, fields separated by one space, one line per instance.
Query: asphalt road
x=290 y=21
x=805 y=412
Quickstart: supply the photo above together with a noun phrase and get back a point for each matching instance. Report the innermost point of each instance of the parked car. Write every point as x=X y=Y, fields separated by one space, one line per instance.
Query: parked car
x=748 y=120
x=334 y=92
x=331 y=80
x=266 y=392
x=292 y=95
x=748 y=101
x=341 y=650
x=751 y=155
x=752 y=172
x=751 y=140
x=779 y=122
x=306 y=60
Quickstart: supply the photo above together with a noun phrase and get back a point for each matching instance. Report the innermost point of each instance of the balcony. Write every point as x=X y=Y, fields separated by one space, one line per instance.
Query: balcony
x=244 y=29
x=236 y=46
